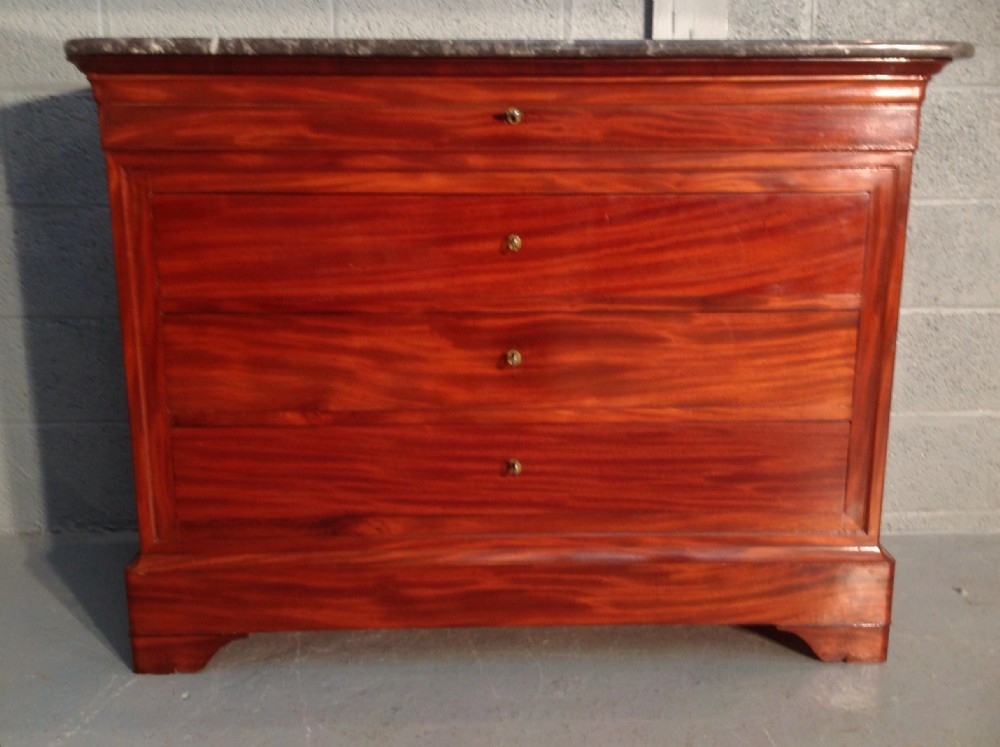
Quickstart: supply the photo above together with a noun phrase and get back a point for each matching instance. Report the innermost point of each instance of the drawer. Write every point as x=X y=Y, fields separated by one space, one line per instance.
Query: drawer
x=797 y=364
x=455 y=126
x=340 y=251
x=772 y=474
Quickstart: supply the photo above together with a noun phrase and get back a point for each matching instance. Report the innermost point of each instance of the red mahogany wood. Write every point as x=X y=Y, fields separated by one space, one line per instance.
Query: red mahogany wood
x=510 y=173
x=853 y=643
x=497 y=92
x=300 y=476
x=596 y=581
x=620 y=172
x=890 y=127
x=168 y=654
x=338 y=251
x=316 y=304
x=799 y=362
x=142 y=347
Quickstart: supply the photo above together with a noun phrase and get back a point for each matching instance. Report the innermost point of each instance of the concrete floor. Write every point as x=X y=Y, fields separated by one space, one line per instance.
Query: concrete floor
x=65 y=678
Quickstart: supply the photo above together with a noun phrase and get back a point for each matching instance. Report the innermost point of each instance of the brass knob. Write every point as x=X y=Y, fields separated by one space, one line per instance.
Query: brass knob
x=514 y=242
x=514 y=358
x=513 y=115
x=513 y=467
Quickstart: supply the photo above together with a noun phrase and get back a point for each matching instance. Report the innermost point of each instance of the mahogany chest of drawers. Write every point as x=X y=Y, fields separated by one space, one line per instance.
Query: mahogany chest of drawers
x=507 y=335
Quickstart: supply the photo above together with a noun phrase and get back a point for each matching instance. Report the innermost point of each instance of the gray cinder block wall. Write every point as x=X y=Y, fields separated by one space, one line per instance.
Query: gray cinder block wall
x=64 y=457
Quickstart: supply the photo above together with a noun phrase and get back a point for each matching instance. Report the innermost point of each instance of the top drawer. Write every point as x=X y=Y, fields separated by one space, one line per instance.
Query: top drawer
x=487 y=128
x=387 y=113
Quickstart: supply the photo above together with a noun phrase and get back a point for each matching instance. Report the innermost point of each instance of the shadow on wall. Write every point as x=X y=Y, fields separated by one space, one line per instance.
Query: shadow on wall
x=63 y=417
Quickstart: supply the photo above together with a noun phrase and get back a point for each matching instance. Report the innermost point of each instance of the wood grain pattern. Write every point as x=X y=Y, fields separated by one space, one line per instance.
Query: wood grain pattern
x=852 y=643
x=493 y=174
x=291 y=477
x=880 y=371
x=691 y=127
x=142 y=343
x=339 y=251
x=501 y=547
x=600 y=583
x=749 y=534
x=192 y=172
x=357 y=362
x=168 y=654
x=497 y=92
x=804 y=593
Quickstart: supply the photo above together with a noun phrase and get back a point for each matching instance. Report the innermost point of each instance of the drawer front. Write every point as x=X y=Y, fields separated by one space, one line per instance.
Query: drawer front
x=798 y=364
x=542 y=127
x=771 y=474
x=341 y=251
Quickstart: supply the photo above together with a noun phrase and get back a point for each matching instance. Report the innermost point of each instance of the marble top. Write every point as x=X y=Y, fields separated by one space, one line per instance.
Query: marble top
x=247 y=47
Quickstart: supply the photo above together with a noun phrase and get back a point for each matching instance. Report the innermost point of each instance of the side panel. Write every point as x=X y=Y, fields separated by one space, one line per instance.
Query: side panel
x=142 y=346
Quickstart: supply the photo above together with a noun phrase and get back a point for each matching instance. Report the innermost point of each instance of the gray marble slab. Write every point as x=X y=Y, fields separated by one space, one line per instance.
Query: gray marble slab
x=247 y=47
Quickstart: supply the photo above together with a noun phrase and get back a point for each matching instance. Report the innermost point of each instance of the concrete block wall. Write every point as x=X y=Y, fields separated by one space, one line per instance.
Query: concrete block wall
x=64 y=455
